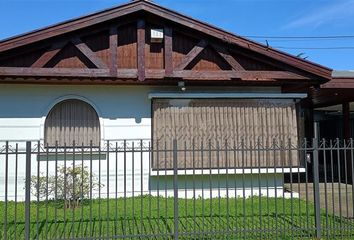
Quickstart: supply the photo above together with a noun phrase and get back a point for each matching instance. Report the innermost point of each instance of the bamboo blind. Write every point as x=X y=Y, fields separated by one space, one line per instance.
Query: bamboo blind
x=72 y=120
x=224 y=124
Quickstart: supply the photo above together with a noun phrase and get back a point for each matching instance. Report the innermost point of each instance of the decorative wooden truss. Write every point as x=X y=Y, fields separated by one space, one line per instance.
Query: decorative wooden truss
x=115 y=45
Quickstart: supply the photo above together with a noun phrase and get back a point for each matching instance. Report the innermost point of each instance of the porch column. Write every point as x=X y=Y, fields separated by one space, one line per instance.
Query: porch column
x=346 y=136
x=346 y=120
x=309 y=124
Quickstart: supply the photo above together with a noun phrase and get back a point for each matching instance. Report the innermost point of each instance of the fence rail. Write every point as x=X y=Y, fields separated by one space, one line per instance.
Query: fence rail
x=144 y=189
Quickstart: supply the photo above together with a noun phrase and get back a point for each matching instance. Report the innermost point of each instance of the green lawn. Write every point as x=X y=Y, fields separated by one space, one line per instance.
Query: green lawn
x=252 y=218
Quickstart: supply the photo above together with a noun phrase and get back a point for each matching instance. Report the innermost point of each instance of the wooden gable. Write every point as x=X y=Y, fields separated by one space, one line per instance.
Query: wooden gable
x=115 y=46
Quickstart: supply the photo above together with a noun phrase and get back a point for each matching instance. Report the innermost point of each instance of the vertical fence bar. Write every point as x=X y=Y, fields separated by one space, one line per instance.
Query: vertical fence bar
x=47 y=192
x=332 y=185
x=133 y=188
x=73 y=192
x=338 y=148
x=193 y=185
x=107 y=206
x=99 y=191
x=82 y=195
x=227 y=189
x=28 y=191
x=203 y=202
x=116 y=193
x=352 y=173
x=38 y=188
x=56 y=189
x=141 y=188
x=306 y=163
x=167 y=150
x=175 y=189
x=316 y=186
x=16 y=177
x=65 y=191
x=6 y=187
x=325 y=183
x=125 y=187
x=91 y=178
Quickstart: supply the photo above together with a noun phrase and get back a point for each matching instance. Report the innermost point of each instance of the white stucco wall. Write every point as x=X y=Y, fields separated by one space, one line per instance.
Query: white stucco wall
x=124 y=112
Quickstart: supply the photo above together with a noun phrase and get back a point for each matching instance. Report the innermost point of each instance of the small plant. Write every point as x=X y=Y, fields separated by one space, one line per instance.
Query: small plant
x=71 y=184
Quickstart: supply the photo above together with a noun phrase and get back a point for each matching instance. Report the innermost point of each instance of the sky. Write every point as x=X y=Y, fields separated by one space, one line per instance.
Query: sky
x=260 y=20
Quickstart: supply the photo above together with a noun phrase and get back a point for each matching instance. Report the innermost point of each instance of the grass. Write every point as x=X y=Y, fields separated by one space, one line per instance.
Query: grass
x=153 y=218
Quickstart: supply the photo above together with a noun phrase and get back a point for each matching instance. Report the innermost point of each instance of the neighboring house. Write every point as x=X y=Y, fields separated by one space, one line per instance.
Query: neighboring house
x=332 y=105
x=141 y=71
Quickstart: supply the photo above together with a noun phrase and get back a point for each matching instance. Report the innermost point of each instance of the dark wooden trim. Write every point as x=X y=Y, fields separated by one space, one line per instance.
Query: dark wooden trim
x=192 y=54
x=153 y=74
x=346 y=120
x=84 y=49
x=47 y=56
x=339 y=83
x=224 y=53
x=54 y=72
x=168 y=51
x=113 y=44
x=241 y=75
x=141 y=49
x=70 y=26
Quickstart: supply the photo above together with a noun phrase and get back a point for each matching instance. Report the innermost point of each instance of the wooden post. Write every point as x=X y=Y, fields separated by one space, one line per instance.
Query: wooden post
x=141 y=49
x=346 y=137
x=346 y=121
x=113 y=44
x=168 y=51
x=309 y=124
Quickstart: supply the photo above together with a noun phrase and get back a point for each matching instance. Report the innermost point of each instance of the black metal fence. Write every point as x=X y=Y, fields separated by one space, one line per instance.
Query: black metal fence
x=136 y=189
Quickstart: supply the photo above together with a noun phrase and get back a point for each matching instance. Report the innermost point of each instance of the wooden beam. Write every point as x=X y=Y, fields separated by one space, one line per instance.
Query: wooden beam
x=344 y=83
x=47 y=56
x=168 y=51
x=70 y=26
x=153 y=74
x=84 y=49
x=241 y=75
x=224 y=53
x=141 y=49
x=113 y=44
x=54 y=72
x=192 y=55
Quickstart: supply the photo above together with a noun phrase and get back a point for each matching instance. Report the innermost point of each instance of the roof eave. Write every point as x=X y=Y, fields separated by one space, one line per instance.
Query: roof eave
x=135 y=6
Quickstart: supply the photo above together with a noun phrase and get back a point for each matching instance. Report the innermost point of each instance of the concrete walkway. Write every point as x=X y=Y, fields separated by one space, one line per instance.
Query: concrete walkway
x=337 y=197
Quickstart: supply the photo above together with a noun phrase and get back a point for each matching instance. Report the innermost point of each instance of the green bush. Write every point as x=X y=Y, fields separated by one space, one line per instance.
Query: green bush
x=70 y=185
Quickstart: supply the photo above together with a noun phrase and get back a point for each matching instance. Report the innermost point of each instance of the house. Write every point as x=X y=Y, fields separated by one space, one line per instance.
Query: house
x=141 y=71
x=330 y=110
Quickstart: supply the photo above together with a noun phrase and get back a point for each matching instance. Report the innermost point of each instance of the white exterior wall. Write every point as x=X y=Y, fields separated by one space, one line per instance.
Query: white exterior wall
x=124 y=112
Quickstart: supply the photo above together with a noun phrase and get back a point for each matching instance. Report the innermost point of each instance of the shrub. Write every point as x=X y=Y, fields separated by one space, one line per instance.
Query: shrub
x=71 y=185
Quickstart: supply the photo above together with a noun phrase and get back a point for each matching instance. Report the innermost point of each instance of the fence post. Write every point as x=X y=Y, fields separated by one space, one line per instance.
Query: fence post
x=175 y=189
x=28 y=191
x=6 y=187
x=316 y=186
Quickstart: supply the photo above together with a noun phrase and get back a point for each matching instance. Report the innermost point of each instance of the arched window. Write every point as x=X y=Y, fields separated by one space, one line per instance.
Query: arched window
x=72 y=120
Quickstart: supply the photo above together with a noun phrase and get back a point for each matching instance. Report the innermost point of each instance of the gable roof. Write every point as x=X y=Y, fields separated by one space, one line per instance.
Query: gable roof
x=152 y=8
